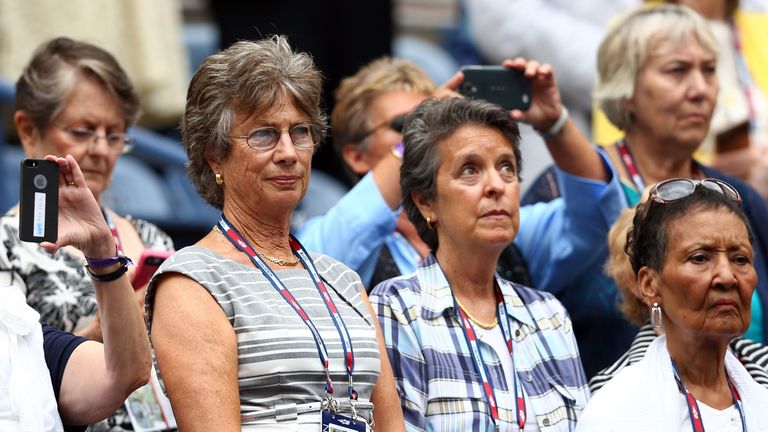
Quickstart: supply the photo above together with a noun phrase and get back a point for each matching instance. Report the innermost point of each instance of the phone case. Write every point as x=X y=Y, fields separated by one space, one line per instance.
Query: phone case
x=506 y=87
x=148 y=263
x=39 y=203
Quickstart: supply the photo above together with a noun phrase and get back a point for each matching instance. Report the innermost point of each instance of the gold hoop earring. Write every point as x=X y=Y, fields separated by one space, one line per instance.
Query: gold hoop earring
x=429 y=223
x=219 y=179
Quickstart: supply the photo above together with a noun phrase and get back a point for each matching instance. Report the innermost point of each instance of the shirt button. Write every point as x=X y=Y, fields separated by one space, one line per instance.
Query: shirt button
x=545 y=422
x=517 y=333
x=528 y=378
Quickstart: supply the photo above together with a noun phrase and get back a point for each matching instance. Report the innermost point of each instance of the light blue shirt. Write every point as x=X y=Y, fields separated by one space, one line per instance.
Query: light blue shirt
x=557 y=239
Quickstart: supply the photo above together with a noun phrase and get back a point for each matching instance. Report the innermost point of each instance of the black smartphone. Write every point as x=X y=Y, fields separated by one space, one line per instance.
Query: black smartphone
x=39 y=204
x=509 y=88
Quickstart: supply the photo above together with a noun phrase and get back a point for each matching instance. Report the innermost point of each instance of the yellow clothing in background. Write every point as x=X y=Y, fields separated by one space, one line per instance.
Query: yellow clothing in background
x=144 y=35
x=753 y=29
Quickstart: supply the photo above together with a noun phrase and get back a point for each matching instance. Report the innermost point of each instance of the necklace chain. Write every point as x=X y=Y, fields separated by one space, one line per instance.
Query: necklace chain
x=275 y=260
x=482 y=325
x=278 y=261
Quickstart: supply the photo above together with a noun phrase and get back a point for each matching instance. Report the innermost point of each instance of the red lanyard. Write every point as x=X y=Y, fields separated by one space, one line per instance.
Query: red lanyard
x=482 y=370
x=113 y=229
x=346 y=342
x=629 y=164
x=634 y=173
x=693 y=407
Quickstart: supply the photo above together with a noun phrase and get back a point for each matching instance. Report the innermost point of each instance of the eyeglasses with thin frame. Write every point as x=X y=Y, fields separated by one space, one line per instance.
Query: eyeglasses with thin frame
x=396 y=124
x=118 y=142
x=674 y=189
x=303 y=136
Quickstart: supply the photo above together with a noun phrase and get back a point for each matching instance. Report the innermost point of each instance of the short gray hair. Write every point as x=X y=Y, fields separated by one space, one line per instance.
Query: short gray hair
x=55 y=68
x=625 y=49
x=425 y=127
x=248 y=78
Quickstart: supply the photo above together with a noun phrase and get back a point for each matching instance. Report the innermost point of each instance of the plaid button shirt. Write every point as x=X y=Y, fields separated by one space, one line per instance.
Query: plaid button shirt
x=436 y=378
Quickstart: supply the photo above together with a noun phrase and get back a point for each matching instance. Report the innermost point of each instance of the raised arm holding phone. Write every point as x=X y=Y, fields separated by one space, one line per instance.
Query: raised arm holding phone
x=379 y=242
x=88 y=380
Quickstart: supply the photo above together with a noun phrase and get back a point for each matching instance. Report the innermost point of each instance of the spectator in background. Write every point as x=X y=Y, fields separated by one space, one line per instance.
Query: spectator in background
x=737 y=142
x=74 y=98
x=658 y=83
x=85 y=381
x=366 y=229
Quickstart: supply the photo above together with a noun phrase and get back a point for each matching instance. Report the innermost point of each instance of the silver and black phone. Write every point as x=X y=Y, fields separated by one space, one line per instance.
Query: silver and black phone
x=509 y=88
x=39 y=203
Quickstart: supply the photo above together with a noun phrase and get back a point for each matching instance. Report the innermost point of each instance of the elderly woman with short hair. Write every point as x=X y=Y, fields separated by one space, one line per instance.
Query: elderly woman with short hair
x=470 y=350
x=250 y=331
x=657 y=82
x=74 y=98
x=753 y=355
x=690 y=248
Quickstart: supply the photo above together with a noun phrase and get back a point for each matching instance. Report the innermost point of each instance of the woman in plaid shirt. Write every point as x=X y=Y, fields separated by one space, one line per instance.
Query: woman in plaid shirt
x=470 y=350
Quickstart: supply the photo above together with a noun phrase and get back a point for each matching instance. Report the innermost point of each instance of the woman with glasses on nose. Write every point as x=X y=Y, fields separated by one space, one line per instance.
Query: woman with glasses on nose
x=251 y=331
x=73 y=98
x=691 y=252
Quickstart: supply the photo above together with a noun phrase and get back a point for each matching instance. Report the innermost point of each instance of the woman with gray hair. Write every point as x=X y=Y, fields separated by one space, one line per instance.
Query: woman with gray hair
x=470 y=350
x=74 y=98
x=658 y=82
x=250 y=331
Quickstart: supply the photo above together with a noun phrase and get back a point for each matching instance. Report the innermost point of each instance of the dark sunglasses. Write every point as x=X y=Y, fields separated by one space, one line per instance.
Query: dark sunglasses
x=678 y=188
x=396 y=124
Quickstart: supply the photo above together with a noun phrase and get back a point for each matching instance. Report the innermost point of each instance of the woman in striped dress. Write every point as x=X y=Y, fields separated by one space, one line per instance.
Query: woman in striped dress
x=250 y=331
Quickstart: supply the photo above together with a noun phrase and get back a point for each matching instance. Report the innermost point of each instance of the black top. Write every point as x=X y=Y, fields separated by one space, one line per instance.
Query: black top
x=58 y=345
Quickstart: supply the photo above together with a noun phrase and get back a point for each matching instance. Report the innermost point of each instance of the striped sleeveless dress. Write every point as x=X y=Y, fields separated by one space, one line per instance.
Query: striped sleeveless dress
x=278 y=364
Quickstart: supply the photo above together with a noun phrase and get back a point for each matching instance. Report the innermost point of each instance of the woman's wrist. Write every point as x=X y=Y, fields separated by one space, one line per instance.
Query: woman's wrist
x=557 y=126
x=117 y=267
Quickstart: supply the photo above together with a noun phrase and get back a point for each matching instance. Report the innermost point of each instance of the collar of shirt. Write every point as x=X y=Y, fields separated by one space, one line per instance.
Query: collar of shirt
x=437 y=298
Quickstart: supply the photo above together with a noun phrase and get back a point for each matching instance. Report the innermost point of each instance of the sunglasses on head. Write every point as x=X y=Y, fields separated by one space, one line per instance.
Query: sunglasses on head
x=396 y=124
x=674 y=189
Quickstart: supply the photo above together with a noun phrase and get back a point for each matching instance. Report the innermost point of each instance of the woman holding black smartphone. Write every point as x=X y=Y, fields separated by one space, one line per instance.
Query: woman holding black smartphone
x=51 y=378
x=74 y=98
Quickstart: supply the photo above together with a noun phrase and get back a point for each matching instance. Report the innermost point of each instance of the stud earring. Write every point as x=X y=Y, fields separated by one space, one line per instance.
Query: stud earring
x=219 y=179
x=429 y=223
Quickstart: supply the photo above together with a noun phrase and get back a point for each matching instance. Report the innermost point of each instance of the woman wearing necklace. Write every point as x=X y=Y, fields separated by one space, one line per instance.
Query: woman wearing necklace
x=658 y=83
x=691 y=253
x=74 y=98
x=470 y=350
x=250 y=331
